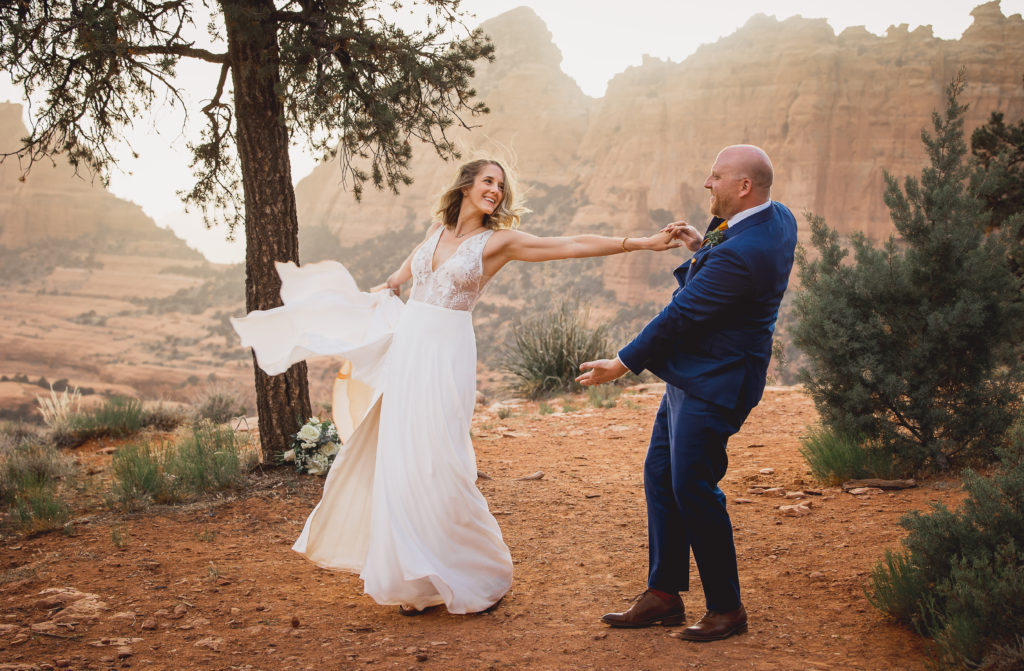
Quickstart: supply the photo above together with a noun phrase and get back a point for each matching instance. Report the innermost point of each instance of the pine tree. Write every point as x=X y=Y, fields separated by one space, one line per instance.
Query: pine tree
x=332 y=75
x=998 y=179
x=911 y=347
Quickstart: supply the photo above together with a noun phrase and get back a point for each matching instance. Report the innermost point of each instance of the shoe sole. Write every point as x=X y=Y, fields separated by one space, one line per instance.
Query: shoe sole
x=670 y=621
x=742 y=629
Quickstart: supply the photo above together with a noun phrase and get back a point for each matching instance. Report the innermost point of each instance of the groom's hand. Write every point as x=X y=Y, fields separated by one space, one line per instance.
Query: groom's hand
x=688 y=234
x=601 y=371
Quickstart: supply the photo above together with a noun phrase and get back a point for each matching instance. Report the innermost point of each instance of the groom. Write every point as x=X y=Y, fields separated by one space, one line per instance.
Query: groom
x=711 y=344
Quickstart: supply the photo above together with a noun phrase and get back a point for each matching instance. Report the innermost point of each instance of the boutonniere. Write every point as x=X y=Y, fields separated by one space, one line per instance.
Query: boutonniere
x=715 y=237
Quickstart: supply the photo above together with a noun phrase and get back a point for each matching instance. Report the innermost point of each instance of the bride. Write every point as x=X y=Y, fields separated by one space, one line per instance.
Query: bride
x=400 y=504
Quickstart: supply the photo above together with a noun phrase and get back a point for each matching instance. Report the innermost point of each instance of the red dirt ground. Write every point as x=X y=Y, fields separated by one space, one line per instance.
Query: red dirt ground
x=215 y=585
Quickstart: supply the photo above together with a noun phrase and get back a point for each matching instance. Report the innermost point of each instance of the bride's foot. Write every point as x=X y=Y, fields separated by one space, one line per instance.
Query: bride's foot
x=410 y=611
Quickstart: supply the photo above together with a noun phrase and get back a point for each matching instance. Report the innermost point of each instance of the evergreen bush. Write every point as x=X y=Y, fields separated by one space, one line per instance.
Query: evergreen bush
x=912 y=346
x=960 y=578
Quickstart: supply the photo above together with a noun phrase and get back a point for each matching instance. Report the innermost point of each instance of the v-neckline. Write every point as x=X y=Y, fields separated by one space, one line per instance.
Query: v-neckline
x=455 y=251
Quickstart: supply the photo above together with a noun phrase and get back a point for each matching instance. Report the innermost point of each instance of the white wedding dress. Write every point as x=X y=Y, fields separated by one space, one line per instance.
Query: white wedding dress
x=400 y=503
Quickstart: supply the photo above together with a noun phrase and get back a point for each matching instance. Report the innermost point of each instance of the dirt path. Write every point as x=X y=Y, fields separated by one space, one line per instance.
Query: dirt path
x=215 y=586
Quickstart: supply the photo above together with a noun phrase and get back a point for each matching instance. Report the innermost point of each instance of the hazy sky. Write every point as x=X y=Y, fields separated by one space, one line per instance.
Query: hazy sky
x=596 y=41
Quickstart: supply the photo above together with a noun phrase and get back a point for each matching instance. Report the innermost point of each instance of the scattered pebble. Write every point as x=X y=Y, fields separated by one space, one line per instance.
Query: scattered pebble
x=210 y=643
x=533 y=476
x=795 y=510
x=766 y=471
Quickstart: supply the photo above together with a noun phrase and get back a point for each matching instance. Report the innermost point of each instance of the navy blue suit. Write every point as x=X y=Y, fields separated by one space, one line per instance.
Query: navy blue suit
x=711 y=345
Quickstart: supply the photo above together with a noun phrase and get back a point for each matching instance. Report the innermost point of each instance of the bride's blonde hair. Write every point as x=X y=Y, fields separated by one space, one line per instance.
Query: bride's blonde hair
x=506 y=215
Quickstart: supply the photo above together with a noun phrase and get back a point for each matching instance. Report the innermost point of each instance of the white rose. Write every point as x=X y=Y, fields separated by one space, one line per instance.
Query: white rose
x=309 y=433
x=308 y=446
x=317 y=464
x=289 y=455
x=329 y=450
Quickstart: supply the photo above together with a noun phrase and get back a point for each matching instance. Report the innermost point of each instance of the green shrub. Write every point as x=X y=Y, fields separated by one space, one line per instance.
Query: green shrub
x=164 y=418
x=29 y=475
x=219 y=406
x=916 y=345
x=207 y=460
x=29 y=464
x=960 y=578
x=547 y=350
x=117 y=417
x=835 y=457
x=38 y=508
x=136 y=476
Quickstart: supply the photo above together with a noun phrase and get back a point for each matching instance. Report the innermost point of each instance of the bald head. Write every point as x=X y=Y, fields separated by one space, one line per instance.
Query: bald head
x=741 y=178
x=750 y=162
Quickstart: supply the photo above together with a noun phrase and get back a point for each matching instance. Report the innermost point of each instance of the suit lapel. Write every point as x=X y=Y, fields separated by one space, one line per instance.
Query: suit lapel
x=753 y=220
x=684 y=272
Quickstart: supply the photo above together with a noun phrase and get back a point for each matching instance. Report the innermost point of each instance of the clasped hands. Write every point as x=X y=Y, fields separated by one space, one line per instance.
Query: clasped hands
x=684 y=232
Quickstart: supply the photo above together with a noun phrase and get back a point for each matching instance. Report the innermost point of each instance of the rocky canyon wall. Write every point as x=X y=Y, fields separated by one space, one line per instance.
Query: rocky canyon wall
x=834 y=112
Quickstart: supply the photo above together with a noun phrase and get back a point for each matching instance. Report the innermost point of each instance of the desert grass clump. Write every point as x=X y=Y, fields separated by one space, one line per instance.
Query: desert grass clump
x=165 y=418
x=208 y=459
x=136 y=477
x=603 y=395
x=960 y=578
x=58 y=409
x=30 y=475
x=15 y=433
x=548 y=348
x=117 y=417
x=218 y=405
x=835 y=457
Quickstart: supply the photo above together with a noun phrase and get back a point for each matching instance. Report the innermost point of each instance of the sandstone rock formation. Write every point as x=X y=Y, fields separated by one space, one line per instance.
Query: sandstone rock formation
x=834 y=111
x=537 y=120
x=52 y=202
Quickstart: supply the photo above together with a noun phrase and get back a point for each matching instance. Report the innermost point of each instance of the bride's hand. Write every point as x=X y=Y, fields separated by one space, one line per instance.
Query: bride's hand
x=689 y=235
x=391 y=283
x=662 y=240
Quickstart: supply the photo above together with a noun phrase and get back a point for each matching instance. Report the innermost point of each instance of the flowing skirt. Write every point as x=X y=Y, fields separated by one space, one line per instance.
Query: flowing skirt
x=400 y=504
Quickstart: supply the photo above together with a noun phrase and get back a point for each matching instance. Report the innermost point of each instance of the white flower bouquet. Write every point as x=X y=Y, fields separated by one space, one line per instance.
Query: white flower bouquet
x=314 y=447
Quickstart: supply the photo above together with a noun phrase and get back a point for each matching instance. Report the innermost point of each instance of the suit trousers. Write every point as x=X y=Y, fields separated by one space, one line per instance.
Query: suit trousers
x=685 y=508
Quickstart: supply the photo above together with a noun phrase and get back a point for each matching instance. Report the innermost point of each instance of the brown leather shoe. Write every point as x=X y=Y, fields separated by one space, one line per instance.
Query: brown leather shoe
x=648 y=609
x=716 y=626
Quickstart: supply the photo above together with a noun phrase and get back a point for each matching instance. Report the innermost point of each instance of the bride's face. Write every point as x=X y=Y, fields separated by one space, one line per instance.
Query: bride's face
x=487 y=190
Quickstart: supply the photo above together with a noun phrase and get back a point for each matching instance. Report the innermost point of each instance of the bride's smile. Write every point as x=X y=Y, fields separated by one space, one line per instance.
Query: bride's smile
x=487 y=190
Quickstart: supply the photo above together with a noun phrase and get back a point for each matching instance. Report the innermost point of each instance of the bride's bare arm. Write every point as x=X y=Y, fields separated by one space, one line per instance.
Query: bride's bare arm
x=521 y=246
x=404 y=273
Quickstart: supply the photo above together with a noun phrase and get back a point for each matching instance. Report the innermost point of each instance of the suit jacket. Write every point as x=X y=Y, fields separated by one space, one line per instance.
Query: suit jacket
x=714 y=339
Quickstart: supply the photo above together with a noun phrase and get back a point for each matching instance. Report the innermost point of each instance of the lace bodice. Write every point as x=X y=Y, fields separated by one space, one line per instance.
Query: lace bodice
x=457 y=282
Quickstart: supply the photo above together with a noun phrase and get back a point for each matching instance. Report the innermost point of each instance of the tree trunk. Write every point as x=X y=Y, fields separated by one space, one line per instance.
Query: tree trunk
x=271 y=222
